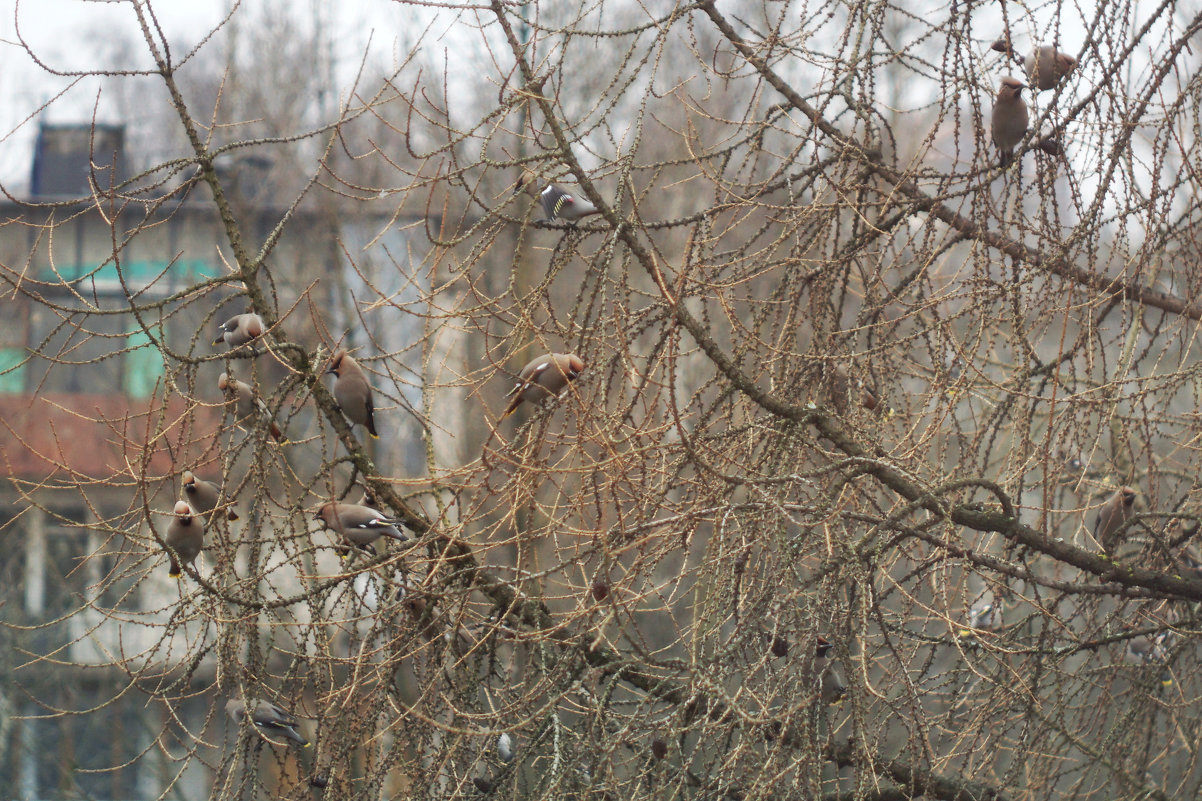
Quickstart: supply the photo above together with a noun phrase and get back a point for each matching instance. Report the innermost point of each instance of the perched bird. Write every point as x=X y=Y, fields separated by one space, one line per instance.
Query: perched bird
x=1009 y=117
x=359 y=526
x=185 y=537
x=1112 y=517
x=557 y=204
x=202 y=496
x=269 y=719
x=240 y=329
x=246 y=403
x=352 y=391
x=505 y=747
x=545 y=377
x=831 y=688
x=1149 y=650
x=839 y=387
x=985 y=614
x=1046 y=65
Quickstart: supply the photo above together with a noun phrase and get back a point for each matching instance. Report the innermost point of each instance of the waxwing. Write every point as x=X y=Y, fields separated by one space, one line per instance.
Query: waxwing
x=246 y=403
x=1150 y=650
x=358 y=526
x=557 y=204
x=185 y=537
x=544 y=377
x=1009 y=117
x=352 y=391
x=839 y=392
x=1046 y=65
x=269 y=719
x=240 y=329
x=203 y=496
x=1111 y=518
x=985 y=614
x=832 y=688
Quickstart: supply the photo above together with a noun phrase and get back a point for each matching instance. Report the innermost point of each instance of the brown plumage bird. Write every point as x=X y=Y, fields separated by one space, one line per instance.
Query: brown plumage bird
x=1046 y=66
x=840 y=392
x=352 y=391
x=185 y=537
x=1111 y=518
x=1010 y=118
x=203 y=496
x=358 y=526
x=271 y=720
x=544 y=377
x=240 y=329
x=557 y=203
x=241 y=397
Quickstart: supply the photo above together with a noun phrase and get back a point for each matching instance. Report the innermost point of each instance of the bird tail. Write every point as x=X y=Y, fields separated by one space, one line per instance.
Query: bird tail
x=276 y=433
x=231 y=515
x=513 y=405
x=175 y=571
x=219 y=340
x=296 y=737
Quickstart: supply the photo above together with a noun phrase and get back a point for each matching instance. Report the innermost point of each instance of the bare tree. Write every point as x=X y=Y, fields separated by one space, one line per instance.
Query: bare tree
x=818 y=519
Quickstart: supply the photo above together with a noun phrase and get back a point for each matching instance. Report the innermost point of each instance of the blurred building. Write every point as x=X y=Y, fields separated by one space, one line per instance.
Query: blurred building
x=83 y=388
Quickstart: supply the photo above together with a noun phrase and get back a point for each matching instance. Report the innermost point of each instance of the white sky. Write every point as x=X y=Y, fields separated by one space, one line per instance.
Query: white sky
x=77 y=34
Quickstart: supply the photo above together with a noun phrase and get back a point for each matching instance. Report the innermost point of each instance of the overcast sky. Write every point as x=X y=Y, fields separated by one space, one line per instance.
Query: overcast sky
x=77 y=34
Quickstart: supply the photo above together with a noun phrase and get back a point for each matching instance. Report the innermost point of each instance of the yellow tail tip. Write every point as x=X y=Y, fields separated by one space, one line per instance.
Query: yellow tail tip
x=374 y=436
x=966 y=633
x=175 y=575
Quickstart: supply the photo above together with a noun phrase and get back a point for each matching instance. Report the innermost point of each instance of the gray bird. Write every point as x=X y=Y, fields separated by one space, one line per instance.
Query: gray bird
x=831 y=688
x=1109 y=525
x=185 y=537
x=352 y=391
x=557 y=204
x=269 y=719
x=985 y=614
x=358 y=526
x=1046 y=66
x=1149 y=650
x=544 y=377
x=203 y=496
x=505 y=747
x=246 y=404
x=240 y=329
x=1009 y=117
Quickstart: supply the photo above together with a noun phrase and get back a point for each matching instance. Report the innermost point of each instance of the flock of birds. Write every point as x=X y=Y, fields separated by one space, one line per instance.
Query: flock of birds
x=359 y=525
x=1044 y=66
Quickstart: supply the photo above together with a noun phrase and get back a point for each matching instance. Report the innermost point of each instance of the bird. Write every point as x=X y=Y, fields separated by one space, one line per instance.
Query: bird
x=185 y=537
x=505 y=747
x=269 y=719
x=544 y=377
x=1009 y=117
x=985 y=614
x=557 y=204
x=240 y=329
x=246 y=403
x=352 y=391
x=839 y=386
x=1112 y=518
x=359 y=526
x=831 y=687
x=1148 y=650
x=203 y=496
x=1046 y=65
